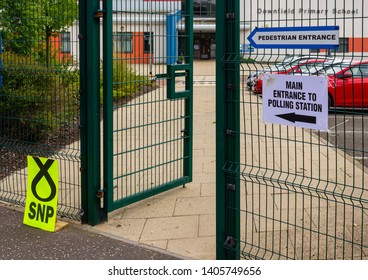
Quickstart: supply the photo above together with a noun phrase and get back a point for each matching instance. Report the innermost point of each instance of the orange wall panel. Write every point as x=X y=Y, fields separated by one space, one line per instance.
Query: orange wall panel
x=358 y=44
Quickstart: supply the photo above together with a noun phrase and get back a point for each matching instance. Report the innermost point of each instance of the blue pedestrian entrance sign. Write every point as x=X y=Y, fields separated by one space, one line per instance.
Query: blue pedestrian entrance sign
x=313 y=37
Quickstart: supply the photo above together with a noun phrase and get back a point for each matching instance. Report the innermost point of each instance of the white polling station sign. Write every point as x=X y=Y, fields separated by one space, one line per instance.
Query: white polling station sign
x=300 y=101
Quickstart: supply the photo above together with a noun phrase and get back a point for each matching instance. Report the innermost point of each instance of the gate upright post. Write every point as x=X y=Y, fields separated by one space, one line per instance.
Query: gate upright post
x=188 y=53
x=108 y=104
x=227 y=129
x=89 y=38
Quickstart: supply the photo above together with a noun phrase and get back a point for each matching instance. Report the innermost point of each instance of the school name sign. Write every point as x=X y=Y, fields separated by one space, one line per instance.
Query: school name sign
x=302 y=11
x=296 y=101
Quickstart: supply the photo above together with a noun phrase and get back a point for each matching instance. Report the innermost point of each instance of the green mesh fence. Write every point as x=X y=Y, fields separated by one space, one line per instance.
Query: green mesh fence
x=39 y=97
x=303 y=192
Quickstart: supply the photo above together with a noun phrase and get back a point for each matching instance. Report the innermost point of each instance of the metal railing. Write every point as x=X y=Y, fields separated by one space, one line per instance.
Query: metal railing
x=291 y=192
x=39 y=98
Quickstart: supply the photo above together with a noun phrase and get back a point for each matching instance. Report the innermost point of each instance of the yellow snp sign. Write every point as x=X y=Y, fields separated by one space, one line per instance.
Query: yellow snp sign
x=42 y=193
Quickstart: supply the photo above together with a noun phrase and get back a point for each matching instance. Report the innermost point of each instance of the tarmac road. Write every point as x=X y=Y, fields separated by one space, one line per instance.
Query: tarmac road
x=348 y=129
x=74 y=242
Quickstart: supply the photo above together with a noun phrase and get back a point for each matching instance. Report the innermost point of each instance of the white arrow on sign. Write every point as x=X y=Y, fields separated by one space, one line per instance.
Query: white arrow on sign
x=313 y=37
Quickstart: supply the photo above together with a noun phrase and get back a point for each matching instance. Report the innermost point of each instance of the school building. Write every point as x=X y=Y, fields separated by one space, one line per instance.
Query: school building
x=146 y=31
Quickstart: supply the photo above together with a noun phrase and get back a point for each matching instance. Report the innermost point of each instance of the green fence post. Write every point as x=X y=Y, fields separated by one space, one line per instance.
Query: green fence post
x=89 y=37
x=108 y=105
x=227 y=129
x=188 y=53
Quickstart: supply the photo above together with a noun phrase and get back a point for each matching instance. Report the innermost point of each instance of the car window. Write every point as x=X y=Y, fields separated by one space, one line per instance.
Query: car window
x=365 y=70
x=333 y=69
x=289 y=63
x=281 y=64
x=280 y=67
x=360 y=71
x=356 y=72
x=288 y=60
x=309 y=68
x=312 y=67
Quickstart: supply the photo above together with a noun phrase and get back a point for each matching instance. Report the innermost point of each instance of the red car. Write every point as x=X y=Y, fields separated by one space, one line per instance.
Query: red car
x=311 y=64
x=348 y=85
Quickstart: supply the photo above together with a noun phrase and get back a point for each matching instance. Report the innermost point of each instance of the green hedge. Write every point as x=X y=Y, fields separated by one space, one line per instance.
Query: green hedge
x=35 y=100
x=126 y=82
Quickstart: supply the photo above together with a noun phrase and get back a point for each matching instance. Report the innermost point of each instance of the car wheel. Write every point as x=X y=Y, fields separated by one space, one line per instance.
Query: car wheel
x=330 y=102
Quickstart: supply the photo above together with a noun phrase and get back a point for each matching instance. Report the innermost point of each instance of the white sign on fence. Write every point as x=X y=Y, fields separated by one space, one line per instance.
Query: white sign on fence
x=300 y=101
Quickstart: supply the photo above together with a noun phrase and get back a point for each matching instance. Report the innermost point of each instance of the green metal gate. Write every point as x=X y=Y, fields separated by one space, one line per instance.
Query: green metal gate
x=283 y=191
x=148 y=84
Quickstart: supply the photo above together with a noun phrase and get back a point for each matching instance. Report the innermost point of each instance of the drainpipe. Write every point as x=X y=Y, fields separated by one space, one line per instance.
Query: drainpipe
x=172 y=37
x=150 y=39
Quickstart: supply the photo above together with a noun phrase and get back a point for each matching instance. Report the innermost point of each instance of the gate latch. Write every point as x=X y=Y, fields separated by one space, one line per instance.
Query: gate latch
x=99 y=14
x=100 y=193
x=173 y=71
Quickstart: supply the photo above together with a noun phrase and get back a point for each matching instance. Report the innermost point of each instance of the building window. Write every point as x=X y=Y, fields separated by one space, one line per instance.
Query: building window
x=148 y=41
x=202 y=8
x=123 y=42
x=65 y=42
x=343 y=45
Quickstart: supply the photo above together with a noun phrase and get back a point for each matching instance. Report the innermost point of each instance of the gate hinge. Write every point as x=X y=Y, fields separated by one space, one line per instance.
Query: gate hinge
x=230 y=242
x=230 y=86
x=230 y=187
x=230 y=132
x=230 y=16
